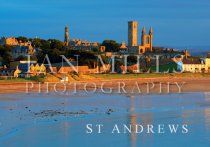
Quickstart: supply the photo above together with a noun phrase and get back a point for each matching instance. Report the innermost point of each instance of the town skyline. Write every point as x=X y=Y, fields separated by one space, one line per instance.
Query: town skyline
x=196 y=49
x=176 y=24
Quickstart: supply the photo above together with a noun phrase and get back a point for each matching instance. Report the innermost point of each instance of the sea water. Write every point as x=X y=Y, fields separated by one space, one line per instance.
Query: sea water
x=61 y=120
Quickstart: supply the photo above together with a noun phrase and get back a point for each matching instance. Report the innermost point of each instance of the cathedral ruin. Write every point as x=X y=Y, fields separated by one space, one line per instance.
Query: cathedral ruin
x=146 y=39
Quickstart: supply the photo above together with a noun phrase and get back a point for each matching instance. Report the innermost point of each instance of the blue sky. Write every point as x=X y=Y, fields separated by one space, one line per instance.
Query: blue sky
x=183 y=23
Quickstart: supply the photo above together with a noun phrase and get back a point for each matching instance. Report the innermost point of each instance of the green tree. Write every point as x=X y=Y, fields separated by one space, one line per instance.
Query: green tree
x=22 y=38
x=5 y=53
x=45 y=45
x=36 y=42
x=132 y=60
x=85 y=57
x=56 y=44
x=111 y=45
x=96 y=50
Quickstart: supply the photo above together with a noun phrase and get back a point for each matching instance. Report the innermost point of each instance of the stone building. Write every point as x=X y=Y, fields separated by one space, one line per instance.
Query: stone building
x=12 y=41
x=20 y=50
x=146 y=47
x=132 y=33
x=7 y=72
x=201 y=65
x=83 y=44
x=208 y=55
x=80 y=44
x=102 y=49
x=32 y=70
x=66 y=37
x=17 y=72
x=14 y=64
x=193 y=65
x=146 y=40
x=9 y=41
x=123 y=48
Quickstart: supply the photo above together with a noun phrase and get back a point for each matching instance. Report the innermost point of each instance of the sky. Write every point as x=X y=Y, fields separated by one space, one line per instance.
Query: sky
x=177 y=23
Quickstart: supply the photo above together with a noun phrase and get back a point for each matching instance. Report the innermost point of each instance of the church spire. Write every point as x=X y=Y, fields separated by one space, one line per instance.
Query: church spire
x=143 y=36
x=150 y=31
x=143 y=30
x=66 y=38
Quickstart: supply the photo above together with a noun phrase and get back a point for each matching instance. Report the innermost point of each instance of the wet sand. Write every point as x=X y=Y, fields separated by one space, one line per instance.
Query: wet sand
x=57 y=120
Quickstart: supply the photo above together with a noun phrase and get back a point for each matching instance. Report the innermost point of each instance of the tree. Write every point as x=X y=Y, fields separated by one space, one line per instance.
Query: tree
x=132 y=60
x=22 y=38
x=56 y=44
x=111 y=45
x=96 y=50
x=5 y=53
x=21 y=57
x=45 y=45
x=36 y=42
x=85 y=57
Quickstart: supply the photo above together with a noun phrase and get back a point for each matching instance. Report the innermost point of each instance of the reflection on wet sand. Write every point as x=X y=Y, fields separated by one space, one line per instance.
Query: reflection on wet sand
x=133 y=121
x=69 y=127
x=207 y=111
x=140 y=118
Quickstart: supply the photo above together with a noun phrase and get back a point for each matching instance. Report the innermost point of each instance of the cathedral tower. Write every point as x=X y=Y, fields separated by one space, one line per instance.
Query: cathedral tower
x=132 y=33
x=66 y=37
x=146 y=39
x=143 y=37
x=150 y=38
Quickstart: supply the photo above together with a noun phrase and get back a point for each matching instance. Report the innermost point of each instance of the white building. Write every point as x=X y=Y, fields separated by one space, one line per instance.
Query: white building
x=201 y=65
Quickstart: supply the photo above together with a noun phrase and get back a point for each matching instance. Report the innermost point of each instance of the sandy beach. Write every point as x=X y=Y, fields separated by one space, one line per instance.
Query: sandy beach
x=61 y=118
x=190 y=84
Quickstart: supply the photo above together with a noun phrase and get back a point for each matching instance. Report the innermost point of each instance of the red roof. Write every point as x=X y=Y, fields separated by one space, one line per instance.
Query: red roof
x=191 y=61
x=129 y=68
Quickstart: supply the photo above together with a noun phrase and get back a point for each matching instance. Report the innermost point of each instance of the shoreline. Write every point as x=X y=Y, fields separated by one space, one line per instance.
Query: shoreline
x=192 y=84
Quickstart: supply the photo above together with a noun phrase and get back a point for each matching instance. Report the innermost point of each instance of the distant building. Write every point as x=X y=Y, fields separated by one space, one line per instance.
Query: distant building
x=146 y=47
x=131 y=69
x=17 y=72
x=123 y=48
x=186 y=54
x=9 y=41
x=12 y=41
x=14 y=64
x=83 y=44
x=200 y=65
x=32 y=70
x=6 y=72
x=102 y=49
x=208 y=55
x=146 y=40
x=19 y=50
x=80 y=44
x=132 y=33
x=25 y=69
x=66 y=37
x=108 y=54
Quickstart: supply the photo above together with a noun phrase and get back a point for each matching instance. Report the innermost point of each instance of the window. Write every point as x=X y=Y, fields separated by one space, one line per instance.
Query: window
x=141 y=50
